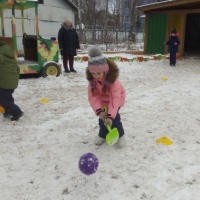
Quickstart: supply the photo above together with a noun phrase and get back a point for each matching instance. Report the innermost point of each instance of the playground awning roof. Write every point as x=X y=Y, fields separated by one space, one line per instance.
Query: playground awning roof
x=170 y=5
x=72 y=4
x=18 y=5
x=25 y=4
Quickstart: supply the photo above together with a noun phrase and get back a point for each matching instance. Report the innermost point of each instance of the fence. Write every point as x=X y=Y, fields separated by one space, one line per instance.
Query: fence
x=110 y=37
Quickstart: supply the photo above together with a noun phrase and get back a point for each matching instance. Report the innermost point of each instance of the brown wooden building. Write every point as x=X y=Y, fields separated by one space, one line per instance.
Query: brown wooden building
x=161 y=18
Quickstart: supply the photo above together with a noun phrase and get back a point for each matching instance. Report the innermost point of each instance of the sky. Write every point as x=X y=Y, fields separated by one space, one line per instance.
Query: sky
x=39 y=154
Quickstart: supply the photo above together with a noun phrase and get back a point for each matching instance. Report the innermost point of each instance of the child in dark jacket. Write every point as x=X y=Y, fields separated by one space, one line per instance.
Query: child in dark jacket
x=9 y=78
x=173 y=43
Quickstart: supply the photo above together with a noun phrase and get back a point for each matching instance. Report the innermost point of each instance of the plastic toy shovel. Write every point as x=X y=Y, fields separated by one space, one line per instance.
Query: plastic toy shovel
x=112 y=136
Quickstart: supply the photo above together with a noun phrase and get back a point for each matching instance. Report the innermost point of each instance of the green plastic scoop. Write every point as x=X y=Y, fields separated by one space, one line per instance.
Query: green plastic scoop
x=112 y=136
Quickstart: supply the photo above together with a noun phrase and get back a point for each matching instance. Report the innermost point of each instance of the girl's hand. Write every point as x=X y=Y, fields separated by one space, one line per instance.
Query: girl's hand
x=175 y=43
x=102 y=116
x=108 y=121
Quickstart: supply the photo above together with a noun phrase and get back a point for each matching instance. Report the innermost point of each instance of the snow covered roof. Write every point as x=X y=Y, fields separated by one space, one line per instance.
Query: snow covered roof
x=72 y=4
x=170 y=5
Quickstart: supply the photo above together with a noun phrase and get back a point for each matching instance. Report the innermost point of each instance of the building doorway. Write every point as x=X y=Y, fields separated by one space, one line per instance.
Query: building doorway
x=192 y=35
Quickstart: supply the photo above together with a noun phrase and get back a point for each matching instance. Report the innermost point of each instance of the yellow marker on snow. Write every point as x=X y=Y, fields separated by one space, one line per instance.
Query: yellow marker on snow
x=2 y=110
x=164 y=78
x=164 y=140
x=44 y=100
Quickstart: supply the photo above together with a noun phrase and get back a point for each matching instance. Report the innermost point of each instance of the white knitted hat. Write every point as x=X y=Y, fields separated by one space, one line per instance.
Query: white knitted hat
x=96 y=61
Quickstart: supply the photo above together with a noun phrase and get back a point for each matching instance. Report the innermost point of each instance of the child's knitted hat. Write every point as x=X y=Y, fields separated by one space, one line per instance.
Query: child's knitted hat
x=174 y=31
x=96 y=61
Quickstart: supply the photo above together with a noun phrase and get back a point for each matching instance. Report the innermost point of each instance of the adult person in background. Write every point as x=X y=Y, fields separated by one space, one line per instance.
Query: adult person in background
x=9 y=78
x=68 y=44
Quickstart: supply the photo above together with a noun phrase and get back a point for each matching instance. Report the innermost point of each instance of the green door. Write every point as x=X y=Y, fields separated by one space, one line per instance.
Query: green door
x=156 y=33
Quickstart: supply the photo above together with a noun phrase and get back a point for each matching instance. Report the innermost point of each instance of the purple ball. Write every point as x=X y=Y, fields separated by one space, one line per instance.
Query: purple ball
x=88 y=163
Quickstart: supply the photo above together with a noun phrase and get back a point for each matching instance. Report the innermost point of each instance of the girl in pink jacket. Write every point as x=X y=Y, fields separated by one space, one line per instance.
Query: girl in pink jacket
x=105 y=90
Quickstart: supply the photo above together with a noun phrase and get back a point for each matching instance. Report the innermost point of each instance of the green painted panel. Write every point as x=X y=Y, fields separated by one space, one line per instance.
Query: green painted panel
x=19 y=4
x=30 y=69
x=47 y=50
x=156 y=33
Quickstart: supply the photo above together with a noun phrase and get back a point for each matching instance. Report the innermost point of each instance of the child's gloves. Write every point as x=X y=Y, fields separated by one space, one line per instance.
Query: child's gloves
x=175 y=43
x=108 y=121
x=102 y=116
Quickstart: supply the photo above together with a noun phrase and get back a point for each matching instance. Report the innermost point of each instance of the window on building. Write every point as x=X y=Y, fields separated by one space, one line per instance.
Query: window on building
x=127 y=4
x=126 y=18
x=41 y=1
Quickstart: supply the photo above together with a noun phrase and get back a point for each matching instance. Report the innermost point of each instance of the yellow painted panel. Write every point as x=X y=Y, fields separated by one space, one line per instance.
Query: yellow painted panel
x=175 y=21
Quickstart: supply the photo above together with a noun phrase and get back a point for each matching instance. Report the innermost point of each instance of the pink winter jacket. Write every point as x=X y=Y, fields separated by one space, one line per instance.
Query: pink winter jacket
x=113 y=99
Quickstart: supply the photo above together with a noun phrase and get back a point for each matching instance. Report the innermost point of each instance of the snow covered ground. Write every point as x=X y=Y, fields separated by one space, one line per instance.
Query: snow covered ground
x=39 y=154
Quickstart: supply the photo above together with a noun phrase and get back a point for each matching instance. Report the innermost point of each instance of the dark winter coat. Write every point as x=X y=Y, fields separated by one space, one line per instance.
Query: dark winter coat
x=68 y=40
x=173 y=43
x=9 y=69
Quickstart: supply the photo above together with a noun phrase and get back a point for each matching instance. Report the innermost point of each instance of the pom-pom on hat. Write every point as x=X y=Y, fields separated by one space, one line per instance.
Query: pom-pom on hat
x=96 y=61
